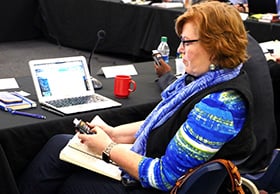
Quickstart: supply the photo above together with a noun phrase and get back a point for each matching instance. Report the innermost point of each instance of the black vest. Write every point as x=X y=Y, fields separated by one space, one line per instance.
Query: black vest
x=238 y=148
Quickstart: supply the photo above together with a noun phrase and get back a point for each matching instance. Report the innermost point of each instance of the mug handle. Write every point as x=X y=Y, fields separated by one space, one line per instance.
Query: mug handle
x=133 y=83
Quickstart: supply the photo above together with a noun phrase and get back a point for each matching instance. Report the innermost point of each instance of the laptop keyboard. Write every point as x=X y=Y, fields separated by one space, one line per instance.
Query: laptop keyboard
x=76 y=101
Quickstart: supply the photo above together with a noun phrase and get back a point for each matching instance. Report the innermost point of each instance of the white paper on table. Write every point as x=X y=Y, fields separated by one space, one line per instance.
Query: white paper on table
x=112 y=71
x=274 y=45
x=168 y=4
x=244 y=16
x=8 y=83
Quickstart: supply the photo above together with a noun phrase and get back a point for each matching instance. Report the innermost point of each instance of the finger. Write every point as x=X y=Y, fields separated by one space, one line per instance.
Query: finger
x=82 y=137
x=162 y=62
x=155 y=66
x=91 y=125
x=93 y=130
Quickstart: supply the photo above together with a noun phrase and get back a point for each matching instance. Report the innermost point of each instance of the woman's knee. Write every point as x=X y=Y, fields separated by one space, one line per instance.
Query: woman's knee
x=59 y=139
x=56 y=143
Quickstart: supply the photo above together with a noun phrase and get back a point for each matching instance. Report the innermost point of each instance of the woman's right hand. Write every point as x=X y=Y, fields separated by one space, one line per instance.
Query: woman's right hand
x=102 y=125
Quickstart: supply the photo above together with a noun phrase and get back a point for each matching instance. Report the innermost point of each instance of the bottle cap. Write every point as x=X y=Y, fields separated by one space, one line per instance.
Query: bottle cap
x=76 y=121
x=163 y=39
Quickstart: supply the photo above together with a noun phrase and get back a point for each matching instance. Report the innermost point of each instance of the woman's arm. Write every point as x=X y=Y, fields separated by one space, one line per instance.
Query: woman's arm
x=120 y=134
x=120 y=153
x=166 y=77
x=214 y=121
x=194 y=143
x=125 y=133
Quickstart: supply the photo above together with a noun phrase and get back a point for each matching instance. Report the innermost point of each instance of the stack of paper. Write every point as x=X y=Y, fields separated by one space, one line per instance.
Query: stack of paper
x=168 y=4
x=77 y=153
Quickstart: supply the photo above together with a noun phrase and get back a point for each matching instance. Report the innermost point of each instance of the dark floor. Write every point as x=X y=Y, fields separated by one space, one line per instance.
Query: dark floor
x=14 y=56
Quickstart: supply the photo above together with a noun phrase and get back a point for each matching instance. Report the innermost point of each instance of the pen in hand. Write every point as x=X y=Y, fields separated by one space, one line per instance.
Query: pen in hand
x=37 y=116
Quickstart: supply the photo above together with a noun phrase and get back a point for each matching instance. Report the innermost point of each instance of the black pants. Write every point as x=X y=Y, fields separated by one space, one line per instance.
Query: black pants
x=47 y=174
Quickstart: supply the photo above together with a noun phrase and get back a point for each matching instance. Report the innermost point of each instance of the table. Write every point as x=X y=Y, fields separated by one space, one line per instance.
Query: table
x=133 y=30
x=22 y=137
x=263 y=32
x=130 y=29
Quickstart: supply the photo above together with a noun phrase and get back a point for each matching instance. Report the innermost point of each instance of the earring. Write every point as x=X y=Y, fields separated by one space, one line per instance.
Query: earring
x=212 y=67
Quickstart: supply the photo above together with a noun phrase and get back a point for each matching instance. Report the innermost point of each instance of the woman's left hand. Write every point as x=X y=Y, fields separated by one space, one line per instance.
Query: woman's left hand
x=96 y=142
x=162 y=69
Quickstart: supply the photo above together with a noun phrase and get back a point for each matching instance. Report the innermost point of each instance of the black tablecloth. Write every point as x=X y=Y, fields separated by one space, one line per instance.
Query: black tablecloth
x=263 y=32
x=130 y=29
x=22 y=137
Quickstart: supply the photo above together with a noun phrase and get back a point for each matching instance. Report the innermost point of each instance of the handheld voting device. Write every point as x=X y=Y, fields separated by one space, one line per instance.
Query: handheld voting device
x=81 y=126
x=156 y=56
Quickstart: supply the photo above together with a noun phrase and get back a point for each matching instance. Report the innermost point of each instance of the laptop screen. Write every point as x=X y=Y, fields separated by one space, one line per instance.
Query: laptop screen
x=61 y=78
x=261 y=6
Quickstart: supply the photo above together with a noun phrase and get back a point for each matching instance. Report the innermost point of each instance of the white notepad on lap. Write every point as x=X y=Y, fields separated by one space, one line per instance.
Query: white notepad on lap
x=64 y=84
x=77 y=153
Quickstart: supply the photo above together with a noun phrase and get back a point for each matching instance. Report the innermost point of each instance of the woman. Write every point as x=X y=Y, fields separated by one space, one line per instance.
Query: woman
x=195 y=122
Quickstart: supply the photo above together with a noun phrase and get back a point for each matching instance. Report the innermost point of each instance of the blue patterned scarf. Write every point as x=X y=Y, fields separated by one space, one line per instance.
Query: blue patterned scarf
x=173 y=97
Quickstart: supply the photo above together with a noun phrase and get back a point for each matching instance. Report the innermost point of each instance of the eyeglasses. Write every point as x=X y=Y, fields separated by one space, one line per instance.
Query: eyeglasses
x=188 y=42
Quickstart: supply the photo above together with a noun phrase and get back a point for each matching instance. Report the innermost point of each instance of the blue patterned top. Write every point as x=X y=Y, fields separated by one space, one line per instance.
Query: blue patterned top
x=216 y=119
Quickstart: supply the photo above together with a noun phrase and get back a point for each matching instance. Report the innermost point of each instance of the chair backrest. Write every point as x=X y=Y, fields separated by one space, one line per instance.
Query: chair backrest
x=207 y=179
x=210 y=178
x=263 y=124
x=269 y=179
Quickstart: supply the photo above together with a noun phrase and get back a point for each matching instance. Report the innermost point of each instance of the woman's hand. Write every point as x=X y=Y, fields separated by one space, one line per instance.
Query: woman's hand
x=96 y=142
x=243 y=8
x=162 y=69
x=124 y=134
x=104 y=126
x=120 y=153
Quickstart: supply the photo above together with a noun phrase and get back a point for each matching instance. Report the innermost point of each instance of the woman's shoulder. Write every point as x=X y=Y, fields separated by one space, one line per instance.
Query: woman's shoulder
x=226 y=96
x=226 y=99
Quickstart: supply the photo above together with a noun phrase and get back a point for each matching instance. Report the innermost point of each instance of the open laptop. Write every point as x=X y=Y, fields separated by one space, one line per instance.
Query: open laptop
x=261 y=6
x=64 y=85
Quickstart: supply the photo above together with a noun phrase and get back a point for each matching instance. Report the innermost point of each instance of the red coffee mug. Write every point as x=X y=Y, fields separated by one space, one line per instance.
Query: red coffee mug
x=123 y=86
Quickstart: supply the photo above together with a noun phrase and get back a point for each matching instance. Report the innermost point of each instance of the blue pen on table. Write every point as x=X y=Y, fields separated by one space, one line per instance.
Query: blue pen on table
x=37 y=116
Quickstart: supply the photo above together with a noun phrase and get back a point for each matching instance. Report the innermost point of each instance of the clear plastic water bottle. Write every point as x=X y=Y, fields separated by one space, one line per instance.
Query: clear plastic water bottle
x=163 y=48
